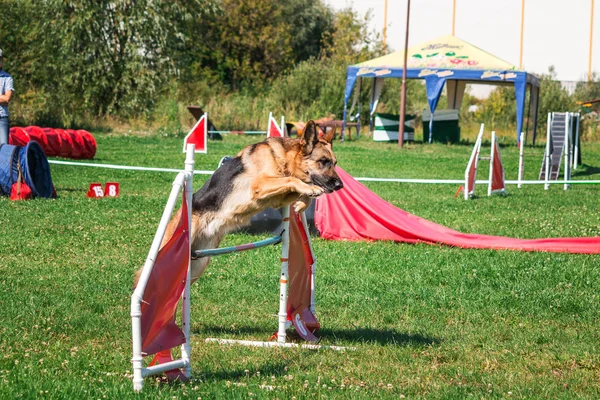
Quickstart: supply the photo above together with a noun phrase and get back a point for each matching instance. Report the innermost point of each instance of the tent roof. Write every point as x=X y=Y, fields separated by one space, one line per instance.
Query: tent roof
x=444 y=52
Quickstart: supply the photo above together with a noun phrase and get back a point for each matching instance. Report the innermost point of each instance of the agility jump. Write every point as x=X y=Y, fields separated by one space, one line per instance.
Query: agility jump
x=496 y=182
x=167 y=274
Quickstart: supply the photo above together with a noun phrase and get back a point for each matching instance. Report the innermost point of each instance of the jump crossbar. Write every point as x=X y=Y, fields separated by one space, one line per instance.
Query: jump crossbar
x=251 y=343
x=233 y=249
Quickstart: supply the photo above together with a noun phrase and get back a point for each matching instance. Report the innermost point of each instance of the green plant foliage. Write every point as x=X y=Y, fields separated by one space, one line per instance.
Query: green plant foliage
x=87 y=58
x=499 y=110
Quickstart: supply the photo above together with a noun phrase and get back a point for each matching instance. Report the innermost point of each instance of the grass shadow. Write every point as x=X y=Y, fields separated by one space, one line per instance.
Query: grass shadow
x=220 y=373
x=384 y=337
x=589 y=170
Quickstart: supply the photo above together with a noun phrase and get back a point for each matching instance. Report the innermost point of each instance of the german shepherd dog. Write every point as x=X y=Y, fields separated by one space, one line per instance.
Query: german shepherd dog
x=274 y=173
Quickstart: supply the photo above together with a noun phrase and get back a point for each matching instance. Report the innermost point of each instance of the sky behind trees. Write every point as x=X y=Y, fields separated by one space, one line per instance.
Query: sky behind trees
x=556 y=32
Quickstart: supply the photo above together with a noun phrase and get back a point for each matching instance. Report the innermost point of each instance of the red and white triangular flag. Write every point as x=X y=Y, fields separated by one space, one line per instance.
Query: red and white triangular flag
x=198 y=135
x=275 y=130
x=496 y=184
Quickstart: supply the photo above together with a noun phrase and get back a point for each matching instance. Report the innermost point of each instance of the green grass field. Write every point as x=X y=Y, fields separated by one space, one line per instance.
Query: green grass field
x=426 y=321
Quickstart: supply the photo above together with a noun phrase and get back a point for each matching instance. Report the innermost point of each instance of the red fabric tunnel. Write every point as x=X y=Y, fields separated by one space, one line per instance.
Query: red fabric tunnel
x=69 y=143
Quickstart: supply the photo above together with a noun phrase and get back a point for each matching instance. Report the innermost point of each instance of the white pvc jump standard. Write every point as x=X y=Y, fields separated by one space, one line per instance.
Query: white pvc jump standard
x=547 y=151
x=576 y=151
x=283 y=280
x=521 y=161
x=493 y=155
x=568 y=150
x=183 y=179
x=473 y=163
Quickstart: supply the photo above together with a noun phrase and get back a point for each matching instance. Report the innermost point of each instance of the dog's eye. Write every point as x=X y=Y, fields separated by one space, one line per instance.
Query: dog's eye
x=325 y=162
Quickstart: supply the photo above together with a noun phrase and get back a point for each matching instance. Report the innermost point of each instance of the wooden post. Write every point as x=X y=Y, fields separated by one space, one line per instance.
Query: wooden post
x=522 y=27
x=385 y=8
x=591 y=39
x=453 y=15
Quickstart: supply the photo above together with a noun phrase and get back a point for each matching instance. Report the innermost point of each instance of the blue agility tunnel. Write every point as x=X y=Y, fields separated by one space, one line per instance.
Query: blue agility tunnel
x=34 y=168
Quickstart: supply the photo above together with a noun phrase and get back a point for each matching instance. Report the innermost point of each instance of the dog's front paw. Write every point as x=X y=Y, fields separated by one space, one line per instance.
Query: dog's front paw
x=314 y=191
x=302 y=204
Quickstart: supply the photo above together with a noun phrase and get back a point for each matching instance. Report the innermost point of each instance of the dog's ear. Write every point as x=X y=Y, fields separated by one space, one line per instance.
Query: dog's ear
x=310 y=137
x=330 y=135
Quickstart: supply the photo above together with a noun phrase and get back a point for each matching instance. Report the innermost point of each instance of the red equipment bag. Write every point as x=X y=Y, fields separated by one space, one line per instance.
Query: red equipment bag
x=20 y=190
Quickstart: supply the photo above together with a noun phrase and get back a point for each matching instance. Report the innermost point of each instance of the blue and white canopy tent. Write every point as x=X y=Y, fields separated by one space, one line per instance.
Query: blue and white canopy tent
x=446 y=61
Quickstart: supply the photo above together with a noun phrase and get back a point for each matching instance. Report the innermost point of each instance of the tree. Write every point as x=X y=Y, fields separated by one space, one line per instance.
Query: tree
x=109 y=57
x=553 y=98
x=311 y=22
x=89 y=58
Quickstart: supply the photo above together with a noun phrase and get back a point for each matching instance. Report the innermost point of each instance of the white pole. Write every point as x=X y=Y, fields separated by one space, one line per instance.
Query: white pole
x=283 y=280
x=136 y=331
x=466 y=181
x=282 y=126
x=313 y=270
x=492 y=154
x=269 y=125
x=186 y=348
x=576 y=153
x=567 y=150
x=136 y=298
x=474 y=159
x=521 y=146
x=547 y=154
x=571 y=139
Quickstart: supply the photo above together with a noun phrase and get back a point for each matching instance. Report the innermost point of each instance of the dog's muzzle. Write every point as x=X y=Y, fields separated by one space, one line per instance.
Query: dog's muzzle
x=338 y=184
x=329 y=185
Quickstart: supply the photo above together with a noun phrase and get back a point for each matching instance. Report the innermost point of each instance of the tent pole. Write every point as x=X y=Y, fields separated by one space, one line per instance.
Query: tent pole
x=403 y=94
x=536 y=93
x=528 y=110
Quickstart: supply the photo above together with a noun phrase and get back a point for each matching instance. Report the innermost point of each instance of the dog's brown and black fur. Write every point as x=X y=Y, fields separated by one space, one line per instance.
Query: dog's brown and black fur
x=274 y=173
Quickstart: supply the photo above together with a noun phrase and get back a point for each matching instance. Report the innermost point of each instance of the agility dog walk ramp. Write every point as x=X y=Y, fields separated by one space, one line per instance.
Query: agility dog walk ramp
x=562 y=140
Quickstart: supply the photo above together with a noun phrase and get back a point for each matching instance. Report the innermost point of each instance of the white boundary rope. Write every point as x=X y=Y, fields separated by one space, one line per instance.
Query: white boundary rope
x=362 y=179
x=127 y=167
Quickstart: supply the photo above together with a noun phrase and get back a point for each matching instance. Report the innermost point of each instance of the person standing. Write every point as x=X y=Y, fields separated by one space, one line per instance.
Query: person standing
x=6 y=91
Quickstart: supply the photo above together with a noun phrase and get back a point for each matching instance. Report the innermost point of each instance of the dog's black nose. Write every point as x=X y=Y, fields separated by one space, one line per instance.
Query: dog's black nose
x=338 y=184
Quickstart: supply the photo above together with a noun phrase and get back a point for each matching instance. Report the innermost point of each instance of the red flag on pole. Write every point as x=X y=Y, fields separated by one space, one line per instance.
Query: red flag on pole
x=198 y=135
x=301 y=264
x=163 y=291
x=273 y=129
x=496 y=169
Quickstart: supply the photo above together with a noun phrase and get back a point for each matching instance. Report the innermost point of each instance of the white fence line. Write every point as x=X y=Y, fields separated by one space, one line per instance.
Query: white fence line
x=362 y=179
